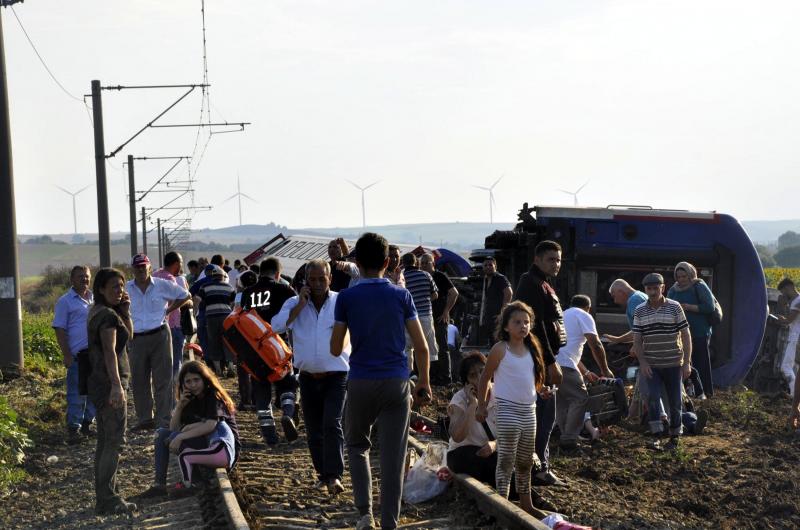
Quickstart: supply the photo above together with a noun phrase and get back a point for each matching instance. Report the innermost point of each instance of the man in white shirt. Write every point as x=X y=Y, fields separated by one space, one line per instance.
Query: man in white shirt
x=150 y=349
x=323 y=377
x=572 y=395
x=788 y=289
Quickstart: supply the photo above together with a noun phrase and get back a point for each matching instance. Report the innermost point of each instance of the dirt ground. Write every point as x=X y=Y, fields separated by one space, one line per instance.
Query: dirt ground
x=742 y=473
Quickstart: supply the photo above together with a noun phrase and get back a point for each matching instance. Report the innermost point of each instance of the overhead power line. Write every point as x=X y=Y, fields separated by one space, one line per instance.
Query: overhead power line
x=41 y=60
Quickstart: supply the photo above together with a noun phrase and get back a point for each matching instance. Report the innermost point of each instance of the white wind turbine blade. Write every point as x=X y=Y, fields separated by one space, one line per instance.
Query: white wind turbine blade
x=83 y=189
x=355 y=185
x=246 y=196
x=62 y=189
x=567 y=192
x=368 y=187
x=484 y=188
x=229 y=198
x=496 y=181
x=579 y=189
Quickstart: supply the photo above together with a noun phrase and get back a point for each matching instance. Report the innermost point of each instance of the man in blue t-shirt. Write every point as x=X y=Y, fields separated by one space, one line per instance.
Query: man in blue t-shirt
x=377 y=315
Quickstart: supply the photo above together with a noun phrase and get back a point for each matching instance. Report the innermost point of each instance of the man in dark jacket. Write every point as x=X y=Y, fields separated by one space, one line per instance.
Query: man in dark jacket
x=534 y=290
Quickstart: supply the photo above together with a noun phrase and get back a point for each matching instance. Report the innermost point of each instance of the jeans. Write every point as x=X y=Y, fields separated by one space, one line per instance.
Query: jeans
x=787 y=364
x=671 y=378
x=163 y=438
x=110 y=437
x=701 y=359
x=177 y=350
x=79 y=408
x=387 y=402
x=545 y=418
x=323 y=405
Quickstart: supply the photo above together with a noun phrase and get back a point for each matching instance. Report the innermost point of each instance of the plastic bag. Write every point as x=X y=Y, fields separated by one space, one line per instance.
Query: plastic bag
x=422 y=482
x=556 y=522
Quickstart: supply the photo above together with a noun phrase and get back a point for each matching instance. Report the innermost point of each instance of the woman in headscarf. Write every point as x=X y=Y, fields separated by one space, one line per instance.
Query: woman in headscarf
x=697 y=301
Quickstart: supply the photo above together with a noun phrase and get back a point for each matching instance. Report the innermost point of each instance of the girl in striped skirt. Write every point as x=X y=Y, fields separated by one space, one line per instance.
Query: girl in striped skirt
x=517 y=366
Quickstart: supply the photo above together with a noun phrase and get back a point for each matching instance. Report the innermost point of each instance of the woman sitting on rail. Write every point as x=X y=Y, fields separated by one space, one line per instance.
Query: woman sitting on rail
x=202 y=431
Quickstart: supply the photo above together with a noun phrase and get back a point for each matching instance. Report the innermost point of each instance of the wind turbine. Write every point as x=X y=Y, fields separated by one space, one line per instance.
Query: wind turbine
x=74 y=206
x=363 y=207
x=491 y=196
x=240 y=195
x=575 y=193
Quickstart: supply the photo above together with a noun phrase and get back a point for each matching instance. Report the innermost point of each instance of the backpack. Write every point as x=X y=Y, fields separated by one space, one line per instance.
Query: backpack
x=258 y=349
x=715 y=317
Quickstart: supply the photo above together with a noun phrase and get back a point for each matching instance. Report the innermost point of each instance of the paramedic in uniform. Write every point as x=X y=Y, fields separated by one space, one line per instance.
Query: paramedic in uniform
x=267 y=297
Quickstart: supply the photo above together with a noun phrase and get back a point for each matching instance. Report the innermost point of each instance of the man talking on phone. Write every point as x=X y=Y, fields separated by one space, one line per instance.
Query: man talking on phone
x=323 y=377
x=377 y=315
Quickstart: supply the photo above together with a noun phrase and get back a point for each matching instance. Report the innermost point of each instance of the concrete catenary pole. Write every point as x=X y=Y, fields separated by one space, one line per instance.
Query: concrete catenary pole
x=11 y=358
x=104 y=234
x=132 y=205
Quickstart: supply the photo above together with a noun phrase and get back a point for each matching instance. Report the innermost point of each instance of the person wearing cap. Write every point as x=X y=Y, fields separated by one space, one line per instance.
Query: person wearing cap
x=663 y=344
x=151 y=346
x=216 y=296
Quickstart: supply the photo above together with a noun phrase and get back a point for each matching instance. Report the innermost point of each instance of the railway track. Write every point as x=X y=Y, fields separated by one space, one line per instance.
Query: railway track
x=274 y=488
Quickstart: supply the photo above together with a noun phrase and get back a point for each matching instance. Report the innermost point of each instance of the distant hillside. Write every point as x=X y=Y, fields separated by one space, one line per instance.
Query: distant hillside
x=765 y=232
x=452 y=235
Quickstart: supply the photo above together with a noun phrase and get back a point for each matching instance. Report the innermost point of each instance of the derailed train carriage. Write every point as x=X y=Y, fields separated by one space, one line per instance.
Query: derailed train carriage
x=602 y=244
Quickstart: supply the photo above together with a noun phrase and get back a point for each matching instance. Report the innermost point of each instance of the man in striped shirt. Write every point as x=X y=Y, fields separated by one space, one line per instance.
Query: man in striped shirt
x=217 y=297
x=663 y=345
x=423 y=291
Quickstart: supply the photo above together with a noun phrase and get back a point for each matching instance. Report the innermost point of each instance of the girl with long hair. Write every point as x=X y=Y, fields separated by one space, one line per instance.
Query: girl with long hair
x=202 y=430
x=517 y=366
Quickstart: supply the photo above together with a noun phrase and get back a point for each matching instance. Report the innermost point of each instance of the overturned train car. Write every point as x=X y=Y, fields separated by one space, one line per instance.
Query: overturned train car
x=602 y=244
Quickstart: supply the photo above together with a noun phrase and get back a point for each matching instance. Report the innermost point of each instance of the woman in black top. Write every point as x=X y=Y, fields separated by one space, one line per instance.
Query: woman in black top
x=202 y=431
x=109 y=327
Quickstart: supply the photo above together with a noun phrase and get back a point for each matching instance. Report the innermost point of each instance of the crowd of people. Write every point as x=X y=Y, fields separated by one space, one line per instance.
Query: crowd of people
x=370 y=331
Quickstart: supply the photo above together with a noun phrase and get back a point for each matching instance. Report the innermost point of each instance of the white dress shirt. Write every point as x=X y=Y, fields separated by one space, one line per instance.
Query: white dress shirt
x=149 y=308
x=311 y=336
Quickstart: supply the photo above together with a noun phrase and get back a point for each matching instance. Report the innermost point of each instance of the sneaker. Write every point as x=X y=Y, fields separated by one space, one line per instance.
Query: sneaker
x=320 y=485
x=74 y=436
x=289 y=428
x=119 y=506
x=702 y=419
x=147 y=425
x=86 y=429
x=153 y=492
x=335 y=486
x=270 y=434
x=672 y=444
x=547 y=478
x=365 y=522
x=180 y=491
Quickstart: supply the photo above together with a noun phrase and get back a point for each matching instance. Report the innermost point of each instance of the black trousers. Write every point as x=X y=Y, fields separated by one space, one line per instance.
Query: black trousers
x=465 y=459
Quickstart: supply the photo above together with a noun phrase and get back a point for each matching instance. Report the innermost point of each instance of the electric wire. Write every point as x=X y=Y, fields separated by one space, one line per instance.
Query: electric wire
x=41 y=59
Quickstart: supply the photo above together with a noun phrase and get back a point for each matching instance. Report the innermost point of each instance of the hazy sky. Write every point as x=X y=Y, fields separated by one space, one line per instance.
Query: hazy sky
x=673 y=104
